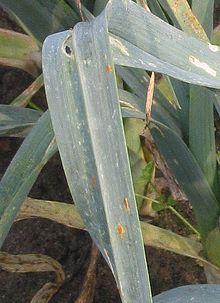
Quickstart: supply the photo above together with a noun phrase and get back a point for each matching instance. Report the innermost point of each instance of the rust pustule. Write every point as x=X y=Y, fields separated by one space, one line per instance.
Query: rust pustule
x=93 y=181
x=108 y=68
x=126 y=204
x=121 y=230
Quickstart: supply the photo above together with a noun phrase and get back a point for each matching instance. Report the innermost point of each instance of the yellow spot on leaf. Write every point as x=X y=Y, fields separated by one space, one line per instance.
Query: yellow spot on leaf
x=119 y=45
x=202 y=65
x=214 y=48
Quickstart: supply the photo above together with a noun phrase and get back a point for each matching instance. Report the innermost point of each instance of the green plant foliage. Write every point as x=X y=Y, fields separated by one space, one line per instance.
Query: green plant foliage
x=79 y=68
x=20 y=51
x=17 y=122
x=163 y=203
x=132 y=129
x=189 y=175
x=98 y=152
x=41 y=18
x=213 y=246
x=22 y=172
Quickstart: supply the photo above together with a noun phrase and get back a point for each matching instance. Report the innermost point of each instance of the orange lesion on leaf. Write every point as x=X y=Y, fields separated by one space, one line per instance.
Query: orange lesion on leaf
x=108 y=68
x=121 y=230
x=93 y=181
x=126 y=204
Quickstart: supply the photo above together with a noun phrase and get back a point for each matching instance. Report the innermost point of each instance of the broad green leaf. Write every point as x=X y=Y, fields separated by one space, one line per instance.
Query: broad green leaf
x=201 y=115
x=153 y=49
x=90 y=138
x=22 y=172
x=99 y=6
x=131 y=48
x=177 y=92
x=188 y=175
x=202 y=132
x=17 y=122
x=199 y=112
x=20 y=51
x=190 y=293
x=41 y=18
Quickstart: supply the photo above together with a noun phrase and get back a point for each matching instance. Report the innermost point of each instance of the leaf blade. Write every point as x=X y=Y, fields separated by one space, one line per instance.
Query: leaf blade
x=114 y=233
x=16 y=183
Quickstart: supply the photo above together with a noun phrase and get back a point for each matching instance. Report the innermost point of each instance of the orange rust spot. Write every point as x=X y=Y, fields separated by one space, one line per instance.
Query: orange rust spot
x=126 y=205
x=121 y=230
x=93 y=181
x=108 y=68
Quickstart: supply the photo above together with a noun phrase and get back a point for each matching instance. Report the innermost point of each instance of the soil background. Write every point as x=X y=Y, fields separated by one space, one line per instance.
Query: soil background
x=68 y=246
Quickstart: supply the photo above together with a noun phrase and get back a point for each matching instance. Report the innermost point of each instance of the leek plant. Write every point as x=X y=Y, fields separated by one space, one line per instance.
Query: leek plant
x=95 y=75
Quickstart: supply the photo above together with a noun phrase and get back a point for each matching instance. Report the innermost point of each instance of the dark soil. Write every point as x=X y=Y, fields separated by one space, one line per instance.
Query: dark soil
x=72 y=247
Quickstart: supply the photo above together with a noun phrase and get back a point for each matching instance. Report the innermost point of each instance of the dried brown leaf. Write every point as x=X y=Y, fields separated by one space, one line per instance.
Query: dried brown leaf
x=88 y=288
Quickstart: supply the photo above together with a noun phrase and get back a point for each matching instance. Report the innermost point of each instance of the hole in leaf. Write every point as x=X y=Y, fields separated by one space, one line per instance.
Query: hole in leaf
x=68 y=50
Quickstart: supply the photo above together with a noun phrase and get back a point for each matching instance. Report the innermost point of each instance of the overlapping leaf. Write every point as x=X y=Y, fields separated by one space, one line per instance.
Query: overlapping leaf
x=41 y=18
x=103 y=193
x=20 y=51
x=17 y=122
x=85 y=122
x=189 y=176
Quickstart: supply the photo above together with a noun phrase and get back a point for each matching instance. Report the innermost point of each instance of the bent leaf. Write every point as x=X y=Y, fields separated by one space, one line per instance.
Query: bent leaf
x=35 y=263
x=153 y=49
x=31 y=263
x=92 y=139
x=68 y=215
